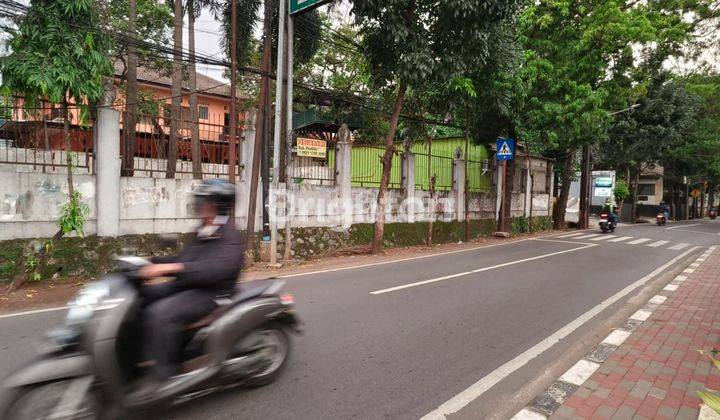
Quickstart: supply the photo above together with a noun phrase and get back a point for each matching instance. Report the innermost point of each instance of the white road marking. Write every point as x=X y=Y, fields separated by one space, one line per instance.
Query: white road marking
x=679 y=246
x=592 y=235
x=459 y=401
x=580 y=372
x=477 y=270
x=658 y=300
x=36 y=311
x=602 y=238
x=638 y=241
x=620 y=239
x=641 y=315
x=694 y=265
x=658 y=243
x=571 y=235
x=684 y=226
x=617 y=337
x=681 y=278
x=526 y=414
x=689 y=270
x=671 y=287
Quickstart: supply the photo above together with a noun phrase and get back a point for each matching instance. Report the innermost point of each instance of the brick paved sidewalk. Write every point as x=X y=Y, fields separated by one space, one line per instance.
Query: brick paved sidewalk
x=657 y=371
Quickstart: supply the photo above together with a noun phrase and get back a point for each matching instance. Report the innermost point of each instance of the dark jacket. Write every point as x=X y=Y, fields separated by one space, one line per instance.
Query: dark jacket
x=212 y=263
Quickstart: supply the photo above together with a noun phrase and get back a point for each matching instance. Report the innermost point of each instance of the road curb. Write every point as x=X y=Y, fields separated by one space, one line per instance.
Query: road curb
x=547 y=402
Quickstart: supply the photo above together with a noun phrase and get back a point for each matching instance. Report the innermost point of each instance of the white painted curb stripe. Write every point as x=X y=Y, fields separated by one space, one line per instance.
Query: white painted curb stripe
x=580 y=372
x=641 y=315
x=639 y=241
x=459 y=401
x=620 y=239
x=526 y=414
x=680 y=278
x=671 y=287
x=617 y=337
x=657 y=300
x=477 y=270
x=689 y=270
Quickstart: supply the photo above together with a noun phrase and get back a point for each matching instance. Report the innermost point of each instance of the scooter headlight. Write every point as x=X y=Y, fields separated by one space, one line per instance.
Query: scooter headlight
x=94 y=296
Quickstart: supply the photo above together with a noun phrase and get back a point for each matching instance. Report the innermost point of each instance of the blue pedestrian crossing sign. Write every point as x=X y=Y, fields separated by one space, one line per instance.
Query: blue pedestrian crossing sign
x=505 y=149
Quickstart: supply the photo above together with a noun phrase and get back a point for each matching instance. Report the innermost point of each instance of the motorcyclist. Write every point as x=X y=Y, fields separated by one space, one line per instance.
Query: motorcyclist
x=665 y=210
x=611 y=209
x=205 y=270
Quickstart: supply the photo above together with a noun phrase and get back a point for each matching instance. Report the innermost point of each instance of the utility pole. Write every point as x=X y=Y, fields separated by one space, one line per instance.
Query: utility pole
x=290 y=137
x=278 y=121
x=584 y=220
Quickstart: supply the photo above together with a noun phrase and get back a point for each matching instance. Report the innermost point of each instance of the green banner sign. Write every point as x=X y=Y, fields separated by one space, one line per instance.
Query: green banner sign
x=300 y=6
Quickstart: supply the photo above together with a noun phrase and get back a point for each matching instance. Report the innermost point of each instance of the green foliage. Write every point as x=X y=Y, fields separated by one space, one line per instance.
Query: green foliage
x=153 y=21
x=57 y=52
x=710 y=397
x=621 y=190
x=73 y=215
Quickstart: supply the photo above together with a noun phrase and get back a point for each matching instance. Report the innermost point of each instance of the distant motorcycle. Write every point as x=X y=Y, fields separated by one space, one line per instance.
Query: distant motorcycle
x=606 y=223
x=660 y=219
x=91 y=365
x=712 y=212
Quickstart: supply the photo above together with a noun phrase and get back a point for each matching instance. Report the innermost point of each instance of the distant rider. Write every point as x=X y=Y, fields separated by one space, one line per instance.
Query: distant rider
x=665 y=210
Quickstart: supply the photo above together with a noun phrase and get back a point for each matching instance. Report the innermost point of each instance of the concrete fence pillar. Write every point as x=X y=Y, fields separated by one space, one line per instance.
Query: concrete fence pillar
x=247 y=147
x=408 y=183
x=343 y=175
x=108 y=172
x=459 y=186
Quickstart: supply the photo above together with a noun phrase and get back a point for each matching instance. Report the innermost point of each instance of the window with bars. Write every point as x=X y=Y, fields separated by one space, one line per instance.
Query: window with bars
x=203 y=112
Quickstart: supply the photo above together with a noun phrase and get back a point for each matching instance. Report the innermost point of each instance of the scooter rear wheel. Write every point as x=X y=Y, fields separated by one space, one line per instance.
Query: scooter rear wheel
x=271 y=341
x=42 y=400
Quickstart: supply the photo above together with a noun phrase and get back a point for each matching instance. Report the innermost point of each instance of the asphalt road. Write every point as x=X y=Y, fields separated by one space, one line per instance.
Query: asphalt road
x=399 y=340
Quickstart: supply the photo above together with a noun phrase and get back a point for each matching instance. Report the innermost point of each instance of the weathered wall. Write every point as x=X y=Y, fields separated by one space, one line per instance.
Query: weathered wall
x=30 y=202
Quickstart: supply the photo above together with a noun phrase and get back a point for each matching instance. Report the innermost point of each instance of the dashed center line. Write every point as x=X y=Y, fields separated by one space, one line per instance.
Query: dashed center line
x=639 y=241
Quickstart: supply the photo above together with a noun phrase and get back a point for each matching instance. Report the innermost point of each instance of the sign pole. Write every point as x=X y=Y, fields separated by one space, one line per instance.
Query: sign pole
x=501 y=226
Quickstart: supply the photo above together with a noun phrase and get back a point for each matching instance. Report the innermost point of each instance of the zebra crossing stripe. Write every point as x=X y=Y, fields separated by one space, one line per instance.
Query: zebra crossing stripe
x=658 y=243
x=571 y=235
x=679 y=246
x=620 y=239
x=639 y=241
x=601 y=238
x=588 y=236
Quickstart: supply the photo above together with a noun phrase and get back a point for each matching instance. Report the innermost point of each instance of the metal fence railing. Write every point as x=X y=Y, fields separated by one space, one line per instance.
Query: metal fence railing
x=441 y=167
x=367 y=168
x=312 y=170
x=152 y=145
x=477 y=175
x=34 y=137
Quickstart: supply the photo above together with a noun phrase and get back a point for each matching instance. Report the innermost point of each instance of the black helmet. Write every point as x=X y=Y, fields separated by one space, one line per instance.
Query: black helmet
x=218 y=192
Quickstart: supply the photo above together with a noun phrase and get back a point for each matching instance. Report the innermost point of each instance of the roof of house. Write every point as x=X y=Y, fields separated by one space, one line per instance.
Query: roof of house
x=205 y=84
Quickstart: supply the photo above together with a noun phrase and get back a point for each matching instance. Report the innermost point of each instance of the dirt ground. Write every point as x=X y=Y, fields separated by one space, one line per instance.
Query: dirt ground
x=52 y=293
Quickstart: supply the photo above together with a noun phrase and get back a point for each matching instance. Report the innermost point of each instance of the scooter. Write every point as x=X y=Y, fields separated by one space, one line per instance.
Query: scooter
x=712 y=212
x=90 y=367
x=660 y=219
x=606 y=225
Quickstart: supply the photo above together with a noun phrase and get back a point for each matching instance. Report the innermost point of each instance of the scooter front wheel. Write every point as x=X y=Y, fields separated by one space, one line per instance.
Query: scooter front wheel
x=53 y=400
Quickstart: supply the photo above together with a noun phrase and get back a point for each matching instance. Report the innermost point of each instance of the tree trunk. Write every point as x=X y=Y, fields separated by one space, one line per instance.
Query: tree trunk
x=634 y=194
x=131 y=98
x=702 y=200
x=584 y=216
x=194 y=123
x=175 y=108
x=260 y=130
x=711 y=196
x=386 y=160
x=68 y=147
x=431 y=188
x=560 y=207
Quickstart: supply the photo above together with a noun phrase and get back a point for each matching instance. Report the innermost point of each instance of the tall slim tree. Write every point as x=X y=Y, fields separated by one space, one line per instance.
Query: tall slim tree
x=176 y=91
x=57 y=54
x=410 y=42
x=131 y=96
